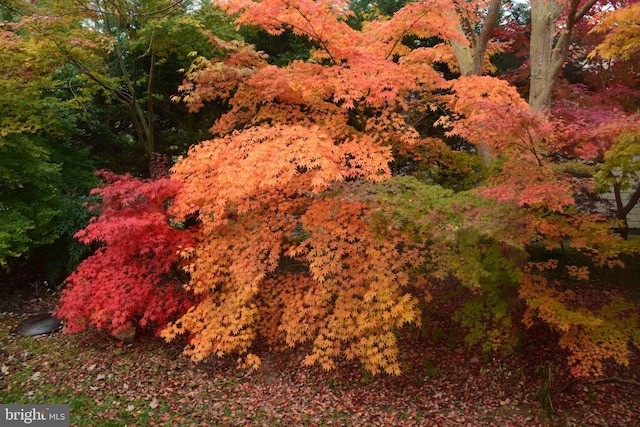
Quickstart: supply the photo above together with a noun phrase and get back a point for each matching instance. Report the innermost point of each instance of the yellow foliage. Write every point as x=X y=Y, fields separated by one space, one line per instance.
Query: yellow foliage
x=590 y=337
x=622 y=32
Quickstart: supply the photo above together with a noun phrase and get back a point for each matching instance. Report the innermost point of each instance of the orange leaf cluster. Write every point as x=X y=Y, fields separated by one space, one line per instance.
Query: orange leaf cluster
x=490 y=113
x=354 y=300
x=590 y=337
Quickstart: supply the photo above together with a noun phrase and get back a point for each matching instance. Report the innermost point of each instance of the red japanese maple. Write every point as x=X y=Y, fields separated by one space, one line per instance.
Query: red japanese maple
x=132 y=278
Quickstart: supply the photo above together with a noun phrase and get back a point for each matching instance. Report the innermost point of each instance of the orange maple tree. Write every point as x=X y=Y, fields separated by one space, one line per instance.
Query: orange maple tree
x=290 y=135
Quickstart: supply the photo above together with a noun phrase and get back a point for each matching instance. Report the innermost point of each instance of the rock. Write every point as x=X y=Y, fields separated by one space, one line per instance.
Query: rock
x=44 y=323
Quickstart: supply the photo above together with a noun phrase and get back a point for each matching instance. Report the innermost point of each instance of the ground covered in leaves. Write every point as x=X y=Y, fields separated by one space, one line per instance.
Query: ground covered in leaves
x=111 y=383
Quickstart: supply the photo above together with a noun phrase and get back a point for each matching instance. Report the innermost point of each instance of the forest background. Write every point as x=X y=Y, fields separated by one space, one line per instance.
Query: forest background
x=314 y=172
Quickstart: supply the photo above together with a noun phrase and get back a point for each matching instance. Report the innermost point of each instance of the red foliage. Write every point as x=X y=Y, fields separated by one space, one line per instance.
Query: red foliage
x=590 y=121
x=131 y=279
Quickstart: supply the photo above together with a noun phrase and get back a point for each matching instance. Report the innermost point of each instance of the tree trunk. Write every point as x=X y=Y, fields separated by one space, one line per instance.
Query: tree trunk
x=470 y=57
x=544 y=14
x=549 y=45
x=482 y=40
x=464 y=57
x=623 y=209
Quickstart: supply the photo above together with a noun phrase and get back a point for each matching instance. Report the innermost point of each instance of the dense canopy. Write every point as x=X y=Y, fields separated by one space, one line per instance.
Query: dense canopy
x=309 y=172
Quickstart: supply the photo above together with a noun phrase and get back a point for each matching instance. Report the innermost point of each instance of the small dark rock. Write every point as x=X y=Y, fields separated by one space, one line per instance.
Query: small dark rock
x=44 y=323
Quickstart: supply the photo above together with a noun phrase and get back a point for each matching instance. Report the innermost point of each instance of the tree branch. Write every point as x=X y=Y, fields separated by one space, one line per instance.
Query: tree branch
x=490 y=22
x=632 y=202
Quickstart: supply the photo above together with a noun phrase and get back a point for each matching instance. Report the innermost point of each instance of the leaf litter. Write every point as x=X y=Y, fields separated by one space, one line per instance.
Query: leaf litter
x=441 y=385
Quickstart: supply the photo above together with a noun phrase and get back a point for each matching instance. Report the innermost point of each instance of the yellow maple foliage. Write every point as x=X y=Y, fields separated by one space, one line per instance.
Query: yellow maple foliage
x=621 y=29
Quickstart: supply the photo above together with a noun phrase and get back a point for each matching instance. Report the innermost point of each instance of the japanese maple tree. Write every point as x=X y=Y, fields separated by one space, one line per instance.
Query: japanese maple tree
x=536 y=174
x=42 y=172
x=291 y=133
x=133 y=278
x=621 y=33
x=618 y=49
